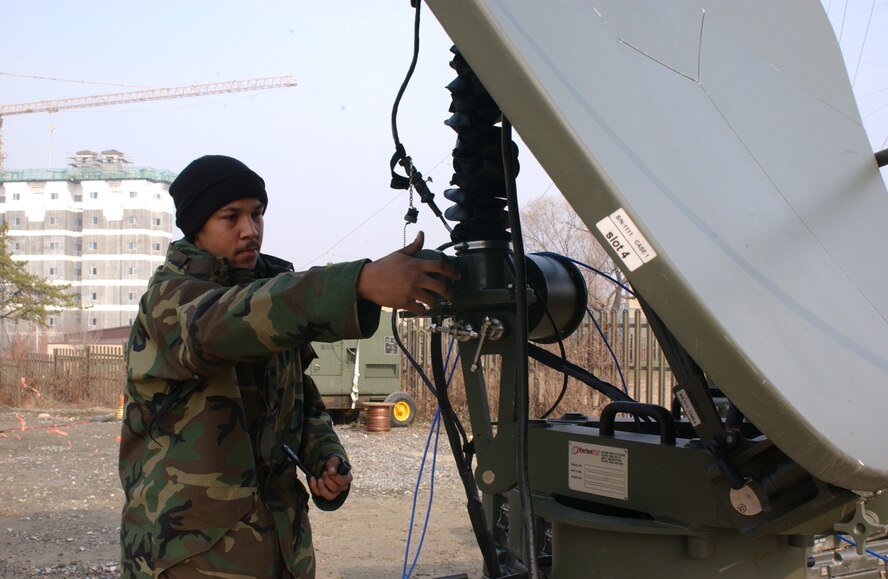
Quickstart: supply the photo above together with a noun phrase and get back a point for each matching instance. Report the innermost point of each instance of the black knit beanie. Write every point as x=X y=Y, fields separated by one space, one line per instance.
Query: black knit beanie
x=207 y=184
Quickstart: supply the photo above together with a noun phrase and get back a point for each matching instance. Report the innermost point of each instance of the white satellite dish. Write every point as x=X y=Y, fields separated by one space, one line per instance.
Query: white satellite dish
x=723 y=142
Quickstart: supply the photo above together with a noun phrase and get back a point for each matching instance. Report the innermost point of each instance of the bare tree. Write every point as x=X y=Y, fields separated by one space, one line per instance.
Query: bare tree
x=549 y=223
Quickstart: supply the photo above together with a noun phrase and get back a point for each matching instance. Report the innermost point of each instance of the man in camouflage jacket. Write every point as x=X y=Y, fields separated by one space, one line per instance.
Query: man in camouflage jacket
x=216 y=385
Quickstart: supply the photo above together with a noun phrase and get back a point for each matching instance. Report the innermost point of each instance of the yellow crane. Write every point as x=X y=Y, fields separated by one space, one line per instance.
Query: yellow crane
x=195 y=90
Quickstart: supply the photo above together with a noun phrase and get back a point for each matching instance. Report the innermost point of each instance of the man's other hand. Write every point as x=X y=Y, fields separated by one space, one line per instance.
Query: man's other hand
x=330 y=484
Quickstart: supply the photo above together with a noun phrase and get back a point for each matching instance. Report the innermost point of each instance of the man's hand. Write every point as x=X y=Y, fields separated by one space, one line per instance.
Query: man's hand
x=330 y=484
x=402 y=281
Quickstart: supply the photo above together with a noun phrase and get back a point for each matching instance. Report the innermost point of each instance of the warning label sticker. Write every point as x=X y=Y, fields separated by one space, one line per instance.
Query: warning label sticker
x=621 y=234
x=598 y=470
x=688 y=406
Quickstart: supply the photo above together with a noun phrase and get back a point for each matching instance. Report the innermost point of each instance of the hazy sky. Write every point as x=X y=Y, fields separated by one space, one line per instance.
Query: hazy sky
x=323 y=146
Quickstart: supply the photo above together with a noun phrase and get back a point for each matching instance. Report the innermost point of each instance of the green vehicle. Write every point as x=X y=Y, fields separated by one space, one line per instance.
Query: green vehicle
x=351 y=373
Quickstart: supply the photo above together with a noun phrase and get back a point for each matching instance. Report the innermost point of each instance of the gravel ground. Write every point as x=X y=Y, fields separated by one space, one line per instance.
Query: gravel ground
x=60 y=501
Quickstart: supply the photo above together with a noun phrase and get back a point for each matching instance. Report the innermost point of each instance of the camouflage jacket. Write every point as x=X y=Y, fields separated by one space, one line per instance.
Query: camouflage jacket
x=215 y=385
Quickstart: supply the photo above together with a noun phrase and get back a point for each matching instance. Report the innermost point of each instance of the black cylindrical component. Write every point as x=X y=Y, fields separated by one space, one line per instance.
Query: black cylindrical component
x=561 y=297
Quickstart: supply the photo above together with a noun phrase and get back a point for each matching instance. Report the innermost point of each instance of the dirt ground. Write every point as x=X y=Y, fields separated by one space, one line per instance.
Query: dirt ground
x=60 y=500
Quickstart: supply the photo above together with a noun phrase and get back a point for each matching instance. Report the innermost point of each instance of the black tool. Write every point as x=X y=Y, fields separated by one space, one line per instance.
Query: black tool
x=294 y=458
x=343 y=468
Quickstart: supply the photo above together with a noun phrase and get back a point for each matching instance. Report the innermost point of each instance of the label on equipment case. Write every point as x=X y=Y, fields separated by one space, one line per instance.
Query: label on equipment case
x=598 y=470
x=689 y=408
x=621 y=234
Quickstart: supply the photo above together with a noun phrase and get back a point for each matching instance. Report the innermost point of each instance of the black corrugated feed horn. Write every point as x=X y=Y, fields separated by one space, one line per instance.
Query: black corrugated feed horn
x=479 y=194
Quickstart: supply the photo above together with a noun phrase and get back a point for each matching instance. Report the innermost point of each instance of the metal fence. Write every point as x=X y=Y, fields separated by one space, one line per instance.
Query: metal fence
x=617 y=347
x=645 y=370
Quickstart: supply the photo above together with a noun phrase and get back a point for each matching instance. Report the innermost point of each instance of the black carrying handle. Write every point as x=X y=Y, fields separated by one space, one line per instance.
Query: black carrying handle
x=661 y=415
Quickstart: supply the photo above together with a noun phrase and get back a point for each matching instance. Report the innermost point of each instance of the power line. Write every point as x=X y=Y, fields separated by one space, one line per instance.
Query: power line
x=347 y=235
x=72 y=80
x=361 y=224
x=863 y=45
x=842 y=28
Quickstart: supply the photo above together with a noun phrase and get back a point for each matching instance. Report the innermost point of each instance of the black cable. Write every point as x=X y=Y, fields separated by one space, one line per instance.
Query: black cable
x=564 y=384
x=560 y=346
x=414 y=178
x=581 y=374
x=563 y=357
x=409 y=357
x=474 y=507
x=406 y=81
x=521 y=412
x=419 y=370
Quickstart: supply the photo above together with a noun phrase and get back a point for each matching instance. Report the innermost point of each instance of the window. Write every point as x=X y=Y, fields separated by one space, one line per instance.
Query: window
x=16 y=221
x=93 y=195
x=131 y=320
x=131 y=296
x=155 y=247
x=157 y=221
x=77 y=271
x=16 y=246
x=78 y=221
x=53 y=244
x=53 y=220
x=93 y=296
x=93 y=271
x=53 y=195
x=53 y=271
x=132 y=219
x=78 y=198
x=52 y=321
x=131 y=245
x=93 y=220
x=134 y=194
x=93 y=244
x=2 y=198
x=78 y=247
x=93 y=322
x=16 y=196
x=132 y=271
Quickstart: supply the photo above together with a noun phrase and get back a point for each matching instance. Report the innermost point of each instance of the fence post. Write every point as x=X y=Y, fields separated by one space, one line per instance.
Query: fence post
x=649 y=363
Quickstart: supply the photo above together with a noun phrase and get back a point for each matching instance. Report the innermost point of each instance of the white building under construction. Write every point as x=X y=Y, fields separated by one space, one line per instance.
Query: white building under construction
x=100 y=225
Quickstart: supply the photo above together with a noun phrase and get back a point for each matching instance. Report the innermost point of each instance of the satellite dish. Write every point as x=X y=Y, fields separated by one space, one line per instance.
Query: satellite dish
x=720 y=149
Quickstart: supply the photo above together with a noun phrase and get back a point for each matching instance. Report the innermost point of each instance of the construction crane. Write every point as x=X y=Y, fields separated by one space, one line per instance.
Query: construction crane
x=195 y=90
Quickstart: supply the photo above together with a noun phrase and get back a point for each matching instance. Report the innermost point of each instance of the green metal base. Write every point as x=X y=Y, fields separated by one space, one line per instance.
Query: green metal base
x=593 y=553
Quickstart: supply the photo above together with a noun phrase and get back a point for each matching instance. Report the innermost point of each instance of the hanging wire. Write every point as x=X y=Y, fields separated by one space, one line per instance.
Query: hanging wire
x=609 y=349
x=436 y=428
x=407 y=77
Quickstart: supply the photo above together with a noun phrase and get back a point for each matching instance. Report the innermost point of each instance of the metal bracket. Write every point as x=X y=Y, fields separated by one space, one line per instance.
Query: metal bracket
x=491 y=329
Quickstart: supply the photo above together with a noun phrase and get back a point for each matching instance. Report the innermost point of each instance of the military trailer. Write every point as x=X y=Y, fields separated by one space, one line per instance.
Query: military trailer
x=352 y=373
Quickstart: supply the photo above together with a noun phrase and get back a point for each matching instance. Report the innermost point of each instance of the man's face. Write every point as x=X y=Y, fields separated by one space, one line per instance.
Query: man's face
x=234 y=231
